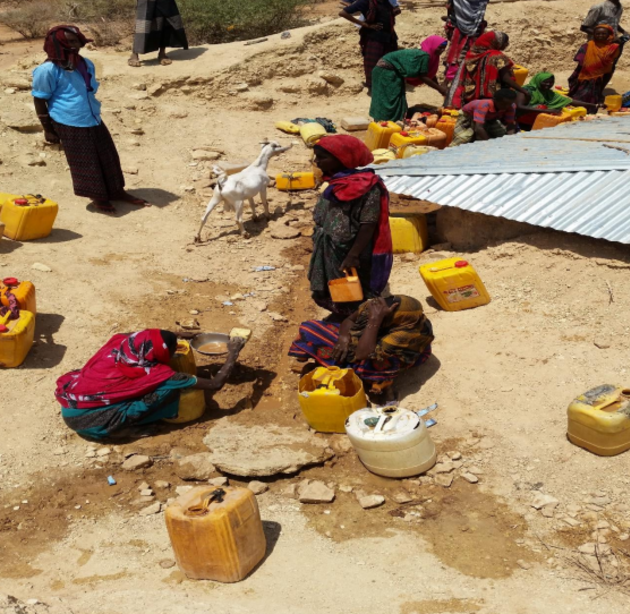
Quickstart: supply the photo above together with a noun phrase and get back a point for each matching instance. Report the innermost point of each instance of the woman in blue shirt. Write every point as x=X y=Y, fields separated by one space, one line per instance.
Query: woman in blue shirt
x=64 y=88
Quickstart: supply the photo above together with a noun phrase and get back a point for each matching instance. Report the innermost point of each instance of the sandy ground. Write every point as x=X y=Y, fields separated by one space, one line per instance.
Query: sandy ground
x=503 y=374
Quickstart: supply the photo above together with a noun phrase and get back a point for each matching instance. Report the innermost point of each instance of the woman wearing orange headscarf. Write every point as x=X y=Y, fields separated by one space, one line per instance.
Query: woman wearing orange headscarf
x=485 y=71
x=596 y=60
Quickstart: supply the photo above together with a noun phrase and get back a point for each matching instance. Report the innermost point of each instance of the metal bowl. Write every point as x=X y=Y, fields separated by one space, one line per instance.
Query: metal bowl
x=203 y=339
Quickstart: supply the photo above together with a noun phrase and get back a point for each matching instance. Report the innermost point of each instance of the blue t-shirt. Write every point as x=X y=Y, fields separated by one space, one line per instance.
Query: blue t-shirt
x=69 y=101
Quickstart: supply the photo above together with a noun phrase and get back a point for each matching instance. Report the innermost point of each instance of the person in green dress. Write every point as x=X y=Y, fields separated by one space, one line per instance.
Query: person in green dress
x=389 y=100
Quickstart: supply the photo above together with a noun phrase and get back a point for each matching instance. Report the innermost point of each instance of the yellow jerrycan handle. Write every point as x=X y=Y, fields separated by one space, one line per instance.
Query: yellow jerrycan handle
x=201 y=509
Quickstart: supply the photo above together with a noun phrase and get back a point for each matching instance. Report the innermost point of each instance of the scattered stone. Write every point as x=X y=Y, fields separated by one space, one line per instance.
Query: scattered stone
x=146 y=492
x=602 y=524
x=195 y=467
x=549 y=512
x=137 y=461
x=277 y=317
x=250 y=450
x=42 y=268
x=541 y=500
x=242 y=87
x=402 y=496
x=454 y=456
x=588 y=548
x=182 y=490
x=444 y=479
x=137 y=131
x=523 y=564
x=260 y=102
x=601 y=501
x=470 y=478
x=154 y=508
x=446 y=467
x=355 y=124
x=281 y=231
x=143 y=486
x=258 y=488
x=222 y=481
x=200 y=155
x=155 y=90
x=317 y=492
x=346 y=488
x=167 y=563
x=104 y=452
x=572 y=522
x=334 y=80
x=90 y=454
x=624 y=537
x=341 y=444
x=162 y=484
x=368 y=502
x=17 y=83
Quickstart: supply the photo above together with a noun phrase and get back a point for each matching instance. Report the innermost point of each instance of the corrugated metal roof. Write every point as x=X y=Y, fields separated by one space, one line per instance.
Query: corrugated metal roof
x=562 y=181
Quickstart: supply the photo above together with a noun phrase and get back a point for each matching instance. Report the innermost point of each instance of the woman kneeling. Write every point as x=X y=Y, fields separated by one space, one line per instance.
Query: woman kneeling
x=129 y=383
x=380 y=340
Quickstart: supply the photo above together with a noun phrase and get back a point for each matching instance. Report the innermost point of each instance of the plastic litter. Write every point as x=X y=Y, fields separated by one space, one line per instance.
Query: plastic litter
x=111 y=481
x=260 y=269
x=228 y=303
x=430 y=422
x=285 y=35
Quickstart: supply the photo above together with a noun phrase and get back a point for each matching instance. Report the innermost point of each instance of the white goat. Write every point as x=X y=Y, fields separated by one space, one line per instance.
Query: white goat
x=247 y=184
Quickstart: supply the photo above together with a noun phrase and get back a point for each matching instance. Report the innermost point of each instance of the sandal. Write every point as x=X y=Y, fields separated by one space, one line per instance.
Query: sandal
x=165 y=61
x=134 y=200
x=134 y=63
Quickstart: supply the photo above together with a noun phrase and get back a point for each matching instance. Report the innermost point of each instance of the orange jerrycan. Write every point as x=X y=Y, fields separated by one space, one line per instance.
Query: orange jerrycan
x=347 y=289
x=328 y=396
x=24 y=292
x=447 y=124
x=192 y=403
x=599 y=420
x=613 y=103
x=454 y=284
x=27 y=218
x=216 y=533
x=16 y=338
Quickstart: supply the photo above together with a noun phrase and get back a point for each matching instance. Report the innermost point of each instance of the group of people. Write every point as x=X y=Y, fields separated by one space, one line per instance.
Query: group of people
x=129 y=384
x=477 y=67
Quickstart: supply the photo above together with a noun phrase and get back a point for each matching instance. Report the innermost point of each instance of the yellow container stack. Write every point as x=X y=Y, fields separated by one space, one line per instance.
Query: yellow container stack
x=24 y=292
x=311 y=133
x=27 y=218
x=216 y=534
x=599 y=420
x=520 y=75
x=192 y=403
x=454 y=284
x=409 y=233
x=379 y=134
x=328 y=396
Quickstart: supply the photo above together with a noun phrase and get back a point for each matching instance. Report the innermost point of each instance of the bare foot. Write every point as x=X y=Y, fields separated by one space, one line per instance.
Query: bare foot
x=164 y=59
x=134 y=61
x=104 y=206
x=133 y=200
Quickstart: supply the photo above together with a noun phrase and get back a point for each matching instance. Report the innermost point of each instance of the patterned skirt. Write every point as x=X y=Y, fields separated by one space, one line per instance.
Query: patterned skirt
x=158 y=25
x=317 y=340
x=93 y=161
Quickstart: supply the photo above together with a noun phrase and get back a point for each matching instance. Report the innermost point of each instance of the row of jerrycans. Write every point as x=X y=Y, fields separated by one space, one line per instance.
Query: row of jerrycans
x=16 y=334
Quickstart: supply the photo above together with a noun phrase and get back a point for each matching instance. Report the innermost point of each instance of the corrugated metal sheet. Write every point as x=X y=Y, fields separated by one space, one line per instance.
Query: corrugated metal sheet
x=569 y=185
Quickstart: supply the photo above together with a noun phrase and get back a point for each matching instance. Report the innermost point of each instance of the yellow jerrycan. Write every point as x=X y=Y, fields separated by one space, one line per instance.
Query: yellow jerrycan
x=599 y=420
x=16 y=338
x=216 y=533
x=192 y=403
x=454 y=284
x=410 y=233
x=328 y=396
x=27 y=218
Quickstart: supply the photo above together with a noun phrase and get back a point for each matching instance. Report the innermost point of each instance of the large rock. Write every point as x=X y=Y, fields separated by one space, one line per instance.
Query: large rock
x=257 y=451
x=195 y=467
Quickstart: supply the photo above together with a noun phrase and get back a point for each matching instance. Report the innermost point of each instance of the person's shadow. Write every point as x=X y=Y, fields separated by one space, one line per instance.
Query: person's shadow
x=177 y=55
x=411 y=381
x=155 y=196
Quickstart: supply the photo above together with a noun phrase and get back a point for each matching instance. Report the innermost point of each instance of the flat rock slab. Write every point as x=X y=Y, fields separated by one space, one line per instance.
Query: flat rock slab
x=258 y=451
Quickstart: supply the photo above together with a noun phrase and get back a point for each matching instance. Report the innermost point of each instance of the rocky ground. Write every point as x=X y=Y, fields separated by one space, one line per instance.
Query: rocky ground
x=512 y=519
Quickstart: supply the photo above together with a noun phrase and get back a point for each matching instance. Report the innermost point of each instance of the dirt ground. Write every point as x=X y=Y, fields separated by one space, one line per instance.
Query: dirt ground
x=503 y=374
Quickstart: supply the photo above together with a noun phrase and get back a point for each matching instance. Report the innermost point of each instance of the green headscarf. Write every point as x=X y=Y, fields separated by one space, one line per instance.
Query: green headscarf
x=550 y=98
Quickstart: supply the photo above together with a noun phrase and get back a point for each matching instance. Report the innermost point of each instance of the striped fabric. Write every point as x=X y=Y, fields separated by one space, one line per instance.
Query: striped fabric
x=158 y=24
x=468 y=15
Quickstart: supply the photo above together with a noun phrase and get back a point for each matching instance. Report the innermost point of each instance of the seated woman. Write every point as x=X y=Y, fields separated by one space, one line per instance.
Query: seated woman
x=389 y=100
x=481 y=120
x=596 y=61
x=486 y=70
x=129 y=383
x=383 y=338
x=542 y=98
x=351 y=223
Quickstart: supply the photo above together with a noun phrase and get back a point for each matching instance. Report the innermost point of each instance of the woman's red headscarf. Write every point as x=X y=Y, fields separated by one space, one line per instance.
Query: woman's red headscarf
x=354 y=183
x=127 y=367
x=600 y=57
x=57 y=48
